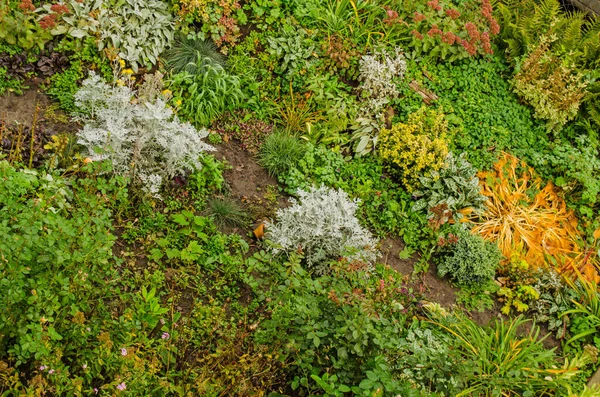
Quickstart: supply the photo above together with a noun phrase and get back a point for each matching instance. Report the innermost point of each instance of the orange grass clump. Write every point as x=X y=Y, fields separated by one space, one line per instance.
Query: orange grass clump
x=521 y=215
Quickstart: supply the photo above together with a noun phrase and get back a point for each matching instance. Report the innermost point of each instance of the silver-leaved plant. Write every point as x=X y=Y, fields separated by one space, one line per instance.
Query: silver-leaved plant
x=143 y=140
x=322 y=224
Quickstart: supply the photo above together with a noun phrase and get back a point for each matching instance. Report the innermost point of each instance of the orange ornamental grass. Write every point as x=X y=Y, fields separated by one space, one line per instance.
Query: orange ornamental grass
x=521 y=215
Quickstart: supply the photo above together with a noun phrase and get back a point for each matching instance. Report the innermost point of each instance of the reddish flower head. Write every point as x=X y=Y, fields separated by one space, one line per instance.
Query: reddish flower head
x=452 y=13
x=417 y=34
x=59 y=8
x=486 y=44
x=486 y=9
x=434 y=4
x=48 y=22
x=449 y=38
x=418 y=17
x=26 y=5
x=434 y=31
x=494 y=27
x=469 y=46
x=472 y=31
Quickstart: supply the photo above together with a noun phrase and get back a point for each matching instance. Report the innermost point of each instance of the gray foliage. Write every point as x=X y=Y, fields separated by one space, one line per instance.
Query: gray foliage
x=322 y=223
x=143 y=140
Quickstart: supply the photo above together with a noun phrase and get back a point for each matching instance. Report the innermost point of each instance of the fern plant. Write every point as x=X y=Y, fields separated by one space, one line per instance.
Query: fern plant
x=455 y=185
x=576 y=42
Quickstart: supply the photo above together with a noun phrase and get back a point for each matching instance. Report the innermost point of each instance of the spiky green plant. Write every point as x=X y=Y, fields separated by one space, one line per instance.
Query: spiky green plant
x=191 y=55
x=224 y=211
x=203 y=96
x=504 y=360
x=280 y=152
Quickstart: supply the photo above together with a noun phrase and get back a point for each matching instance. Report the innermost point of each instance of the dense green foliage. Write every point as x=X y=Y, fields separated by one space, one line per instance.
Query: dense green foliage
x=467 y=258
x=133 y=264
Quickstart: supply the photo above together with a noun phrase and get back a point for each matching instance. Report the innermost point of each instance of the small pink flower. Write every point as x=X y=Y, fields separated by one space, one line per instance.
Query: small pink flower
x=43 y=368
x=51 y=371
x=165 y=335
x=123 y=351
x=121 y=386
x=95 y=390
x=84 y=366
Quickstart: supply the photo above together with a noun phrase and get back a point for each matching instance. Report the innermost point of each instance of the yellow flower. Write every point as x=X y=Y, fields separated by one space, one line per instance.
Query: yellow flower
x=121 y=63
x=127 y=71
x=120 y=83
x=167 y=92
x=178 y=102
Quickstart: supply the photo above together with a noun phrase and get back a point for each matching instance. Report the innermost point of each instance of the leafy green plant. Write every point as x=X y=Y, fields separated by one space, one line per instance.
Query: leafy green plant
x=218 y=20
x=265 y=13
x=587 y=308
x=140 y=41
x=201 y=97
x=454 y=185
x=19 y=26
x=446 y=30
x=324 y=323
x=225 y=211
x=467 y=258
x=293 y=49
x=574 y=167
x=280 y=152
x=551 y=86
x=63 y=86
x=517 y=285
x=9 y=83
x=555 y=297
x=191 y=55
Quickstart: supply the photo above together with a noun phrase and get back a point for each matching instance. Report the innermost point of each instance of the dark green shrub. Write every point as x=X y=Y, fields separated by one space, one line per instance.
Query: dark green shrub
x=467 y=258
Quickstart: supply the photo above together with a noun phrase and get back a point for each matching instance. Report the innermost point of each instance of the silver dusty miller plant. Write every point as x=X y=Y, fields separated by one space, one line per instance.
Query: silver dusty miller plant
x=322 y=223
x=455 y=185
x=378 y=72
x=142 y=139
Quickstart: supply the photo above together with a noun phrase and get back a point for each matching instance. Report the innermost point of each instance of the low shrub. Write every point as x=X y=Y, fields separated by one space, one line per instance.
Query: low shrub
x=144 y=141
x=415 y=148
x=467 y=258
x=322 y=224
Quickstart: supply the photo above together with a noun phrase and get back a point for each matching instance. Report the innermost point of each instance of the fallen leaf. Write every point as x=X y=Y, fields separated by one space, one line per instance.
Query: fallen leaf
x=259 y=232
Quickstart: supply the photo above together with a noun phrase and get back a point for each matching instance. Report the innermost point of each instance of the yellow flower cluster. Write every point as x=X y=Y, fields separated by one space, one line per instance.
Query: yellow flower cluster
x=416 y=148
